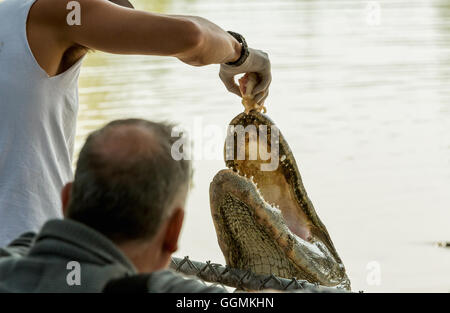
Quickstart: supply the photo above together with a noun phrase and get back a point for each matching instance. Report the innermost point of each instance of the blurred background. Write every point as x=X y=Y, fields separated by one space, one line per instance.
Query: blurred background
x=361 y=91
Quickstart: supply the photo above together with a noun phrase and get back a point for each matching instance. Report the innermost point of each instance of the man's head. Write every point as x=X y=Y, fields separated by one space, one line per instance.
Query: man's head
x=129 y=188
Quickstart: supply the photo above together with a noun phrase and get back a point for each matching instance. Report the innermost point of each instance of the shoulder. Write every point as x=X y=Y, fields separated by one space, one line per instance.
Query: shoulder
x=58 y=11
x=165 y=281
x=168 y=281
x=18 y=247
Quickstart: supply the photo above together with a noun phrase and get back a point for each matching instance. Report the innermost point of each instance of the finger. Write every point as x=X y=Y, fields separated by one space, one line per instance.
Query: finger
x=231 y=85
x=263 y=100
x=234 y=89
x=263 y=85
x=261 y=96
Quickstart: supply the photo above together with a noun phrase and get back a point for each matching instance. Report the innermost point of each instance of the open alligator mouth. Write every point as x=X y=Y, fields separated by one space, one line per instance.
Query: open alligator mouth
x=264 y=220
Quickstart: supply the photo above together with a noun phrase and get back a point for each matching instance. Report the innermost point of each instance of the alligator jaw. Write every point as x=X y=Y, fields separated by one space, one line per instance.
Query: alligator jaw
x=254 y=235
x=268 y=224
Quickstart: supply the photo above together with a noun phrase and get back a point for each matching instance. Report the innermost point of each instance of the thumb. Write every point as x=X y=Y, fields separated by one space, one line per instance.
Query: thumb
x=263 y=84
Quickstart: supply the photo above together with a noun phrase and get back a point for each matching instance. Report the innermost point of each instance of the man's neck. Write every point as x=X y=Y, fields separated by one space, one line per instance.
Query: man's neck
x=143 y=255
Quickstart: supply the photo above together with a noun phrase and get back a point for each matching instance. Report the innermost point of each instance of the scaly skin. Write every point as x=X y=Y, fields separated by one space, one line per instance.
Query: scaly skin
x=264 y=220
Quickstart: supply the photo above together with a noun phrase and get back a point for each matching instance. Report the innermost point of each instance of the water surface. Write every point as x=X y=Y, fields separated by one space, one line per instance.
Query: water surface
x=364 y=104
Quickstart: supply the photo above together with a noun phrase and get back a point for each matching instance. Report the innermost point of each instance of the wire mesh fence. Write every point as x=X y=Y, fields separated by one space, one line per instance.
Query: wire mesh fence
x=243 y=279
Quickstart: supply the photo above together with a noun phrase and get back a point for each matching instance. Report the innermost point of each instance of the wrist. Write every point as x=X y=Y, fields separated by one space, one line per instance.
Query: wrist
x=237 y=49
x=241 y=47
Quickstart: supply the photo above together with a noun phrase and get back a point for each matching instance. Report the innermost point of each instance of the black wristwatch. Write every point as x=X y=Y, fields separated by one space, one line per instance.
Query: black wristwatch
x=244 y=49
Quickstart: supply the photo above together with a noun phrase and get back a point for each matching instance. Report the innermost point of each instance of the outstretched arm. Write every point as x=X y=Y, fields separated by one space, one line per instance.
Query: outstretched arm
x=108 y=27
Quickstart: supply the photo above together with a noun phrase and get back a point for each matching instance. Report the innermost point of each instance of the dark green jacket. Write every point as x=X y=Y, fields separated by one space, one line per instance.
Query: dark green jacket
x=45 y=263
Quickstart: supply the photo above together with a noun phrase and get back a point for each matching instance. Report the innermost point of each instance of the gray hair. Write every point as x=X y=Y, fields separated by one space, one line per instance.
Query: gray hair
x=126 y=179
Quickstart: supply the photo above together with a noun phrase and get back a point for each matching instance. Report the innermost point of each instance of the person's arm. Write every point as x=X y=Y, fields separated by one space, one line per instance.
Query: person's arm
x=108 y=27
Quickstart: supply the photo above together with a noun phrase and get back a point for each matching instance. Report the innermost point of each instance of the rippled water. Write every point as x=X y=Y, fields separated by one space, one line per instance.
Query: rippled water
x=364 y=104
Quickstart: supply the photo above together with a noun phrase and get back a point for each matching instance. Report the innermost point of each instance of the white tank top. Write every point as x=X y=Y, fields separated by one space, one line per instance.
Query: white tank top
x=37 y=129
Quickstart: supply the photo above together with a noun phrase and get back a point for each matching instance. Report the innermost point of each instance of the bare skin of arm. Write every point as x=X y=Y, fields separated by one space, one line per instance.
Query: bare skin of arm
x=108 y=27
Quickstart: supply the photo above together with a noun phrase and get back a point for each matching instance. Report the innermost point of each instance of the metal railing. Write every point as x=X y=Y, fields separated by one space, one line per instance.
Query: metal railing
x=242 y=279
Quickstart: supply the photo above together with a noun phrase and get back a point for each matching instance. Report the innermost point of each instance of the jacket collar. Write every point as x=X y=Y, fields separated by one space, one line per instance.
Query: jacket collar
x=78 y=242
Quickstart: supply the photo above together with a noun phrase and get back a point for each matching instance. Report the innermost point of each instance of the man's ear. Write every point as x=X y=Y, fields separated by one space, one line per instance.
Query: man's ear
x=65 y=197
x=173 y=231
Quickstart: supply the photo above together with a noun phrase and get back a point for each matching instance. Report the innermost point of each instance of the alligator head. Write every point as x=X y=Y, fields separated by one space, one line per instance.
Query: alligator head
x=263 y=217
